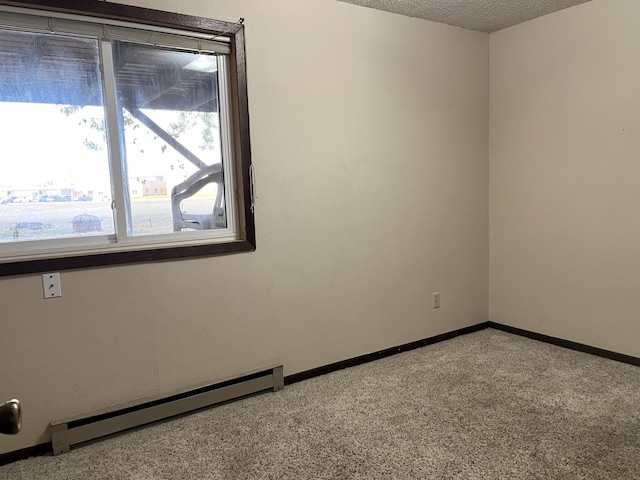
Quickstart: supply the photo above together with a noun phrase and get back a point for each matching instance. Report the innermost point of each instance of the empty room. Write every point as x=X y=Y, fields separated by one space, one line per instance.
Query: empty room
x=304 y=239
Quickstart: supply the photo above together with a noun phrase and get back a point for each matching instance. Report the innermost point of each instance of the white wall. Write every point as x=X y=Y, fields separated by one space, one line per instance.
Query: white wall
x=565 y=175
x=370 y=141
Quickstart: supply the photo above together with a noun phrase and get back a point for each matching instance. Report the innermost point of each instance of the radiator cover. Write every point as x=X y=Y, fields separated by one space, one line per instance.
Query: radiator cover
x=70 y=432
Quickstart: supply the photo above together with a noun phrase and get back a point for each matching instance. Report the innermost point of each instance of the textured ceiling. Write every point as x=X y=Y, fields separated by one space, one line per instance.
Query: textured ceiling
x=482 y=15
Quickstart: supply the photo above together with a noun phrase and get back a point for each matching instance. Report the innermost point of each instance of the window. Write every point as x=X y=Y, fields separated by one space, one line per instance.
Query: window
x=152 y=118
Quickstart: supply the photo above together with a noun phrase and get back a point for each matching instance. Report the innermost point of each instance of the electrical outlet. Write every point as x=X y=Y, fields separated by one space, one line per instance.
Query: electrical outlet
x=51 y=285
x=436 y=300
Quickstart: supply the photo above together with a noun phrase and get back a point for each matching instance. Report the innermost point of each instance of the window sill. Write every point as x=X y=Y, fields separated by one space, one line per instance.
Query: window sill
x=23 y=267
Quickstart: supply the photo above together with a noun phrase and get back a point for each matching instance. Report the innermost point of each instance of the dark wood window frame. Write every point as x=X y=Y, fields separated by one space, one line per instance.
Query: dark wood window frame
x=240 y=119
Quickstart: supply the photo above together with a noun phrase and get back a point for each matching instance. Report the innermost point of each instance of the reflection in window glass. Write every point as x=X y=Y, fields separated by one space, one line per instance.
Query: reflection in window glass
x=53 y=156
x=172 y=163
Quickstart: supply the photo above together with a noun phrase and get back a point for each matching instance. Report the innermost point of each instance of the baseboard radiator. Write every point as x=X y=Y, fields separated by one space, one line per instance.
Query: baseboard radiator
x=71 y=432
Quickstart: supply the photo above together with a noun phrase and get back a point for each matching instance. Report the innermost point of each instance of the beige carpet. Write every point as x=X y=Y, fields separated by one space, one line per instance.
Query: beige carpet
x=488 y=405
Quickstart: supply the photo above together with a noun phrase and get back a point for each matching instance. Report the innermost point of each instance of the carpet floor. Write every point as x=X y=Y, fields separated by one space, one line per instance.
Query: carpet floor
x=488 y=405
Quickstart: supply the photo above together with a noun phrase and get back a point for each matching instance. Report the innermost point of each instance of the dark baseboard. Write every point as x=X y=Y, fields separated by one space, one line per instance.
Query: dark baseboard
x=35 y=451
x=579 y=347
x=370 y=357
x=45 y=448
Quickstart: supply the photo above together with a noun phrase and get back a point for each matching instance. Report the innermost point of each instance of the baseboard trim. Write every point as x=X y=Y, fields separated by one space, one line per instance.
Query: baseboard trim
x=46 y=449
x=579 y=347
x=370 y=357
x=34 y=451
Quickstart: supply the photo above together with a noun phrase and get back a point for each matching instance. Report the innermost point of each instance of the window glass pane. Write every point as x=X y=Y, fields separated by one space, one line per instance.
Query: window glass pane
x=54 y=166
x=172 y=162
